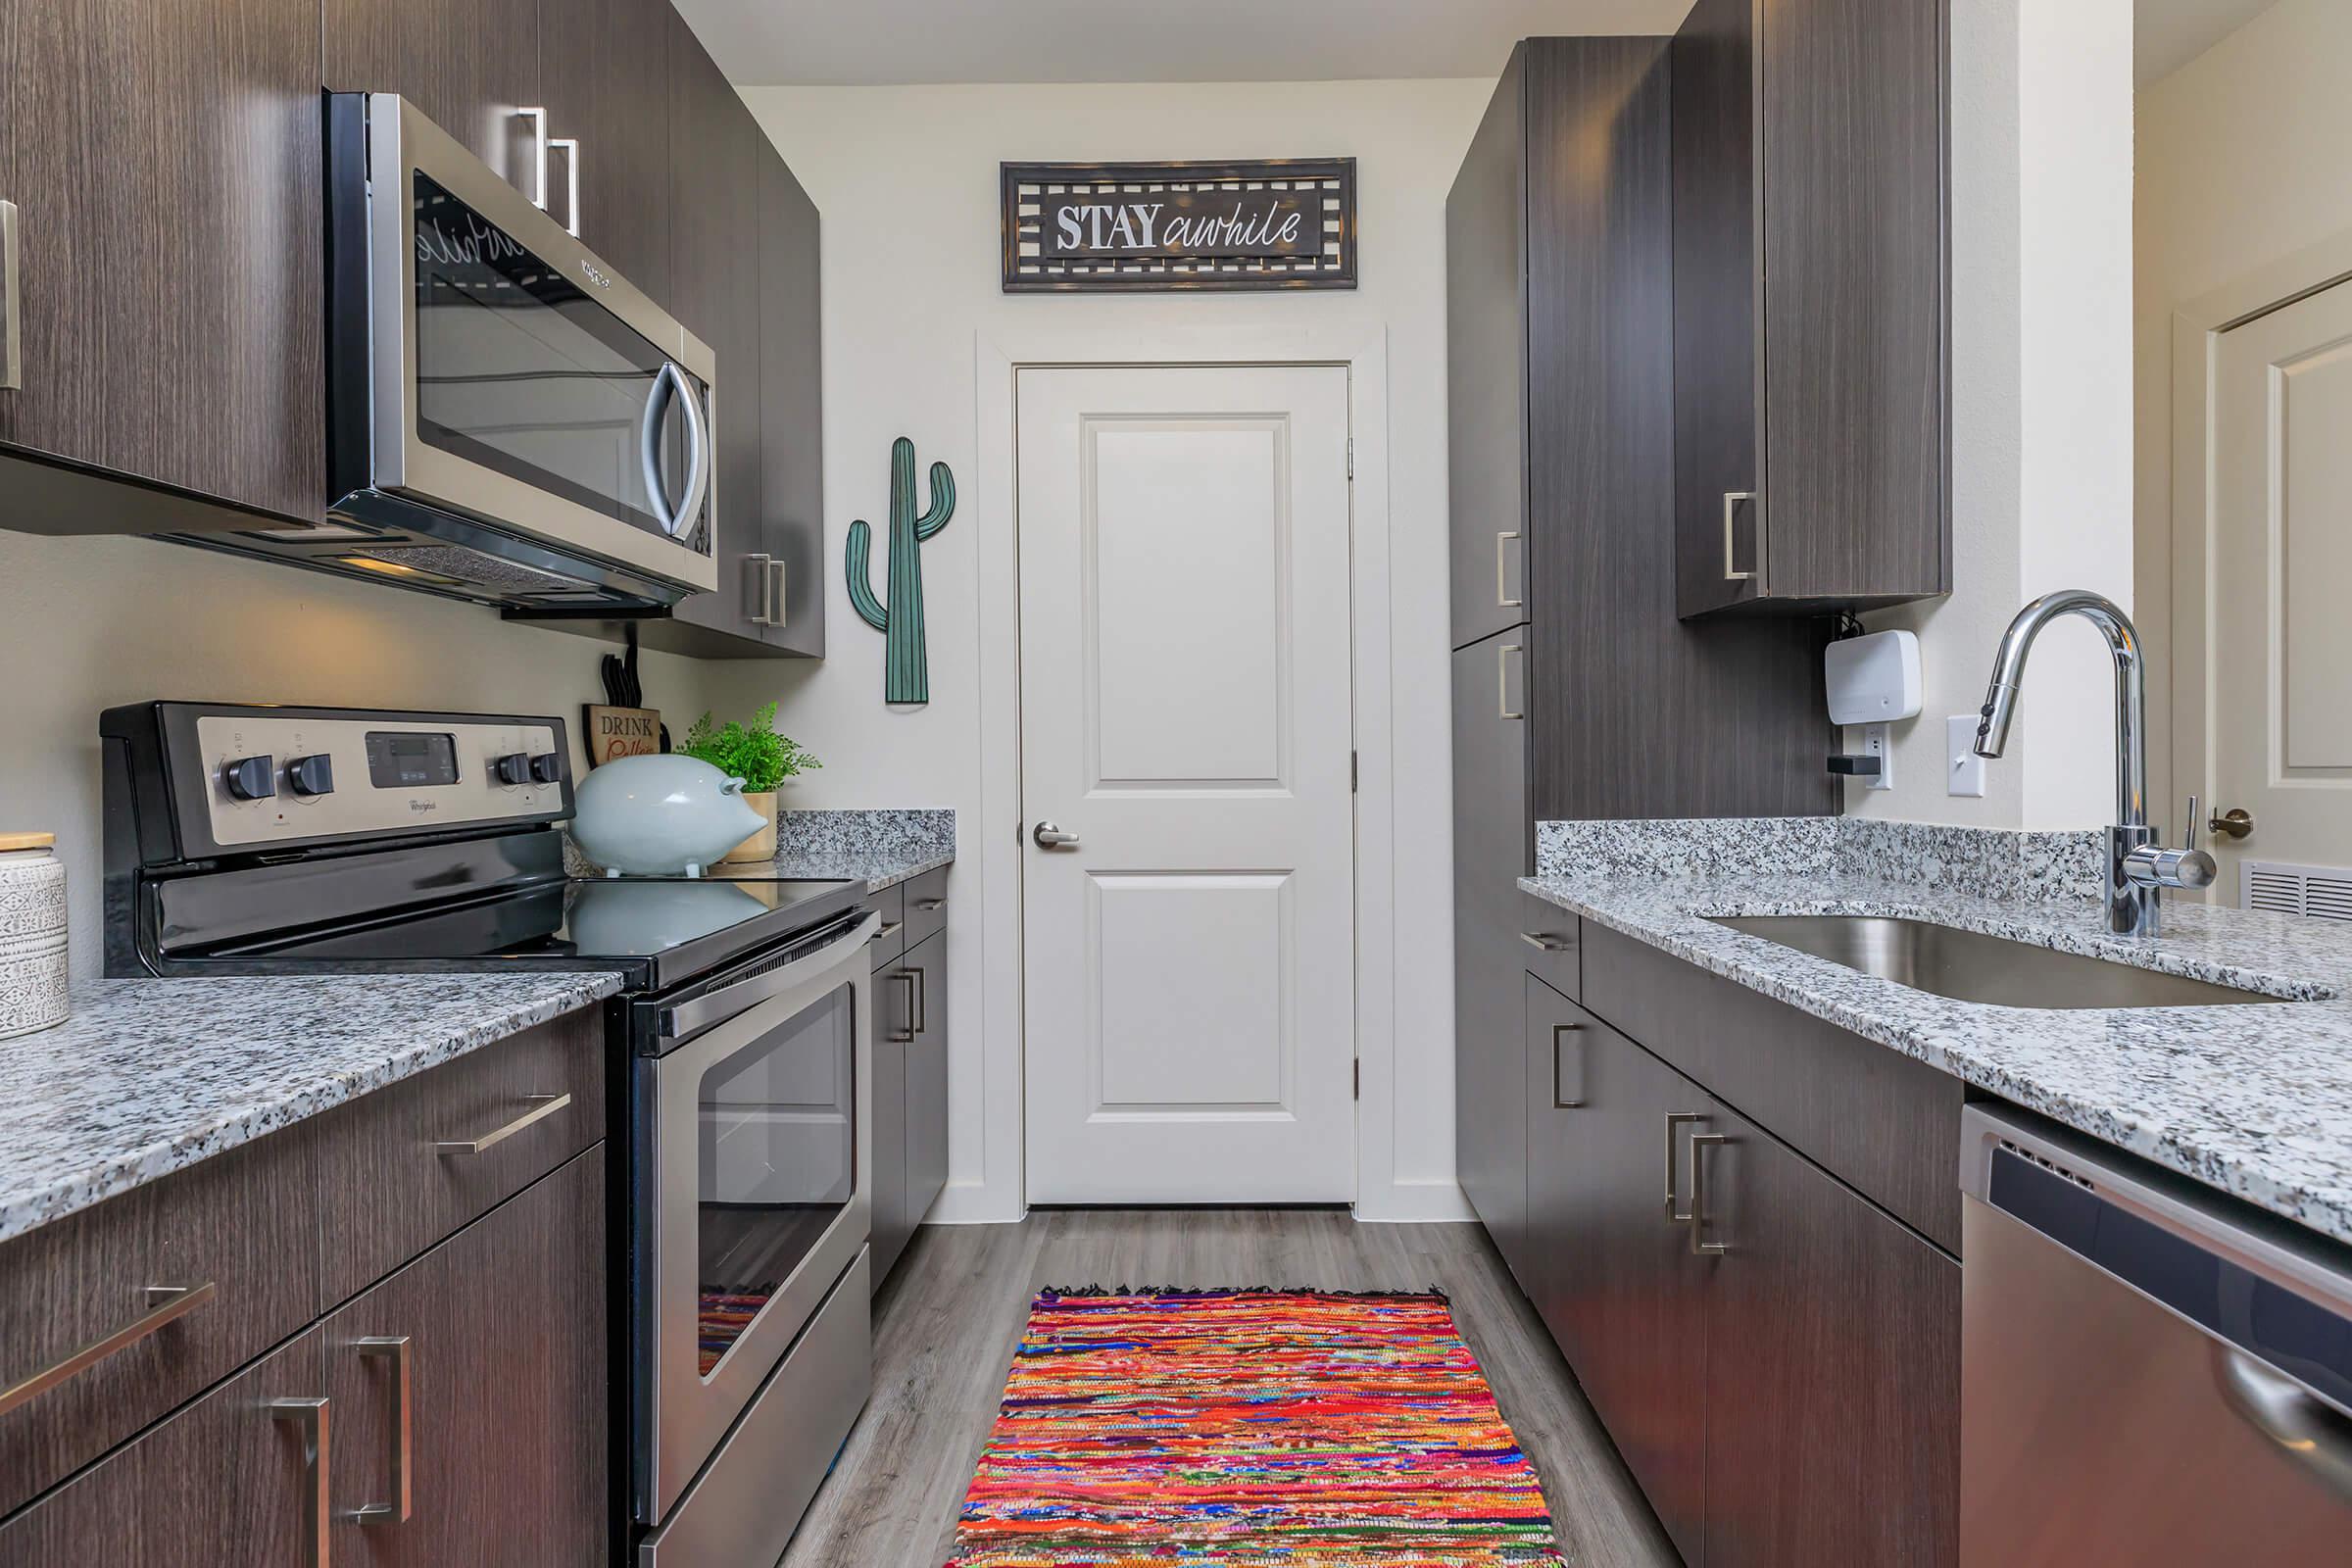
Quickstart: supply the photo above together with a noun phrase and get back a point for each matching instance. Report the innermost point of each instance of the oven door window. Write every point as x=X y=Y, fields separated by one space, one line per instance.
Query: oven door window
x=776 y=1164
x=519 y=369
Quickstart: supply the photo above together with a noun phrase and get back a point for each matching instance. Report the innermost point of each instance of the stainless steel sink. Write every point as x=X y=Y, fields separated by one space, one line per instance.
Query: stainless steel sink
x=1970 y=966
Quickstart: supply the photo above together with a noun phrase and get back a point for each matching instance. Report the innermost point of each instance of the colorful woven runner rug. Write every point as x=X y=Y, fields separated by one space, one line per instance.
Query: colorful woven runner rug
x=1251 y=1429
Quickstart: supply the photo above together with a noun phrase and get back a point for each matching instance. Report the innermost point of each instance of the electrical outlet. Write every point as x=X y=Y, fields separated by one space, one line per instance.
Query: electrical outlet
x=1963 y=768
x=1876 y=744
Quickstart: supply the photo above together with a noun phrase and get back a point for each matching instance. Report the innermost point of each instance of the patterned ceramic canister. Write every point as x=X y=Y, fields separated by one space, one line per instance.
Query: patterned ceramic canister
x=32 y=933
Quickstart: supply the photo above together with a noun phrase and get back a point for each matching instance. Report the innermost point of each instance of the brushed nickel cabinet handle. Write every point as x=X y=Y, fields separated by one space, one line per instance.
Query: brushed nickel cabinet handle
x=393 y=1348
x=919 y=993
x=1558 y=1032
x=764 y=586
x=927 y=906
x=1545 y=941
x=886 y=928
x=914 y=993
x=1698 y=1196
x=1502 y=678
x=542 y=1108
x=572 y=181
x=310 y=1418
x=166 y=1303
x=1730 y=510
x=1502 y=592
x=538 y=124
x=11 y=333
x=1675 y=1119
x=779 y=613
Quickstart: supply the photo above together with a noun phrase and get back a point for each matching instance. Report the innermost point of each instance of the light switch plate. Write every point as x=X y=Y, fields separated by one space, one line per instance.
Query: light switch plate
x=1963 y=768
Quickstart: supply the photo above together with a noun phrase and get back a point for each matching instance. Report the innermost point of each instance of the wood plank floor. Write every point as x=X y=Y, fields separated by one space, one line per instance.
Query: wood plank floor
x=947 y=1323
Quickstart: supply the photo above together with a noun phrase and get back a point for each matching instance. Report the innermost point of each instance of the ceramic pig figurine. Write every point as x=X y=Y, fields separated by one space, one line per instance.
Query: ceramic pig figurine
x=659 y=815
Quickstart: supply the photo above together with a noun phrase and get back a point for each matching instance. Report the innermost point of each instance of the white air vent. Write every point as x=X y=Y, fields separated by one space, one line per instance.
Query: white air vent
x=2322 y=892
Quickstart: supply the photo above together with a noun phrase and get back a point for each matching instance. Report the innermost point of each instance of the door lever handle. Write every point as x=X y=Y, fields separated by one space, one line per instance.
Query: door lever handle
x=1050 y=837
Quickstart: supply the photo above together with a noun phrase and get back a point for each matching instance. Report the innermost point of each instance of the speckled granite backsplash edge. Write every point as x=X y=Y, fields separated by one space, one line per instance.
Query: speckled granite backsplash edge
x=2003 y=862
x=916 y=833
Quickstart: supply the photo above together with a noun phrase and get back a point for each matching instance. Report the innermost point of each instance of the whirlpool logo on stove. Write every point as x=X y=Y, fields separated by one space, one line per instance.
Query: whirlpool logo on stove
x=422 y=807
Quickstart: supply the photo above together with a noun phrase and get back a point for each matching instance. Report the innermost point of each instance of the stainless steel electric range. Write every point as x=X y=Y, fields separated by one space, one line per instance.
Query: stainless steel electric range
x=254 y=840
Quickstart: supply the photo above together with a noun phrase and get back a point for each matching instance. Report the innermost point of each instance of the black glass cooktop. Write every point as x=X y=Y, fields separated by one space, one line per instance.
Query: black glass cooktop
x=653 y=931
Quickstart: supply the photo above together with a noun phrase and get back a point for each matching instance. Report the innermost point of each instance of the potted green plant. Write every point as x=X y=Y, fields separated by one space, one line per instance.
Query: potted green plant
x=762 y=758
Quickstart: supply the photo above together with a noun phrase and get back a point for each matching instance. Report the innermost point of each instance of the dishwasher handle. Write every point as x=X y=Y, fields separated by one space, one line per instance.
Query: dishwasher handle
x=2309 y=1432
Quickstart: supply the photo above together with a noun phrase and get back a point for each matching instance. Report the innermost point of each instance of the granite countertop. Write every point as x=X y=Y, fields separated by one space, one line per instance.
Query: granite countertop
x=2253 y=1099
x=877 y=869
x=150 y=1076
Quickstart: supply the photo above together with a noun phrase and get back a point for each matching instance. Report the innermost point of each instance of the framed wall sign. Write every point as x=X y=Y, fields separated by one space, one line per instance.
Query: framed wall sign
x=1116 y=227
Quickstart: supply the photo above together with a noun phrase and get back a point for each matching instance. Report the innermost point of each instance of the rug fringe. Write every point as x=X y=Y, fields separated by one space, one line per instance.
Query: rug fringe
x=1056 y=1292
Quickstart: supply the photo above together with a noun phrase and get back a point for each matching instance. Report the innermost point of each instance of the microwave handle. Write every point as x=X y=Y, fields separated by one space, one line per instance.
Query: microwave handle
x=697 y=452
x=669 y=382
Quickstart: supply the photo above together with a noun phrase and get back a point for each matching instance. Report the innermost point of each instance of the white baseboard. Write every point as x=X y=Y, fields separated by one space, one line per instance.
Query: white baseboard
x=975 y=1204
x=1415 y=1203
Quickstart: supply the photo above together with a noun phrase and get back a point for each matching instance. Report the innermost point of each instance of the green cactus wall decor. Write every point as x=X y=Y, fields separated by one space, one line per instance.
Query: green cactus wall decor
x=907 y=671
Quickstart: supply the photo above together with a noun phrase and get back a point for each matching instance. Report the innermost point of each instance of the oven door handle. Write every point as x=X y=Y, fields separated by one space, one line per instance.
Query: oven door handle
x=717 y=1006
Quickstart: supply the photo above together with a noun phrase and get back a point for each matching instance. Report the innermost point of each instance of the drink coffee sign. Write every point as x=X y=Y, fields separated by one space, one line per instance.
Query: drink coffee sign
x=1179 y=226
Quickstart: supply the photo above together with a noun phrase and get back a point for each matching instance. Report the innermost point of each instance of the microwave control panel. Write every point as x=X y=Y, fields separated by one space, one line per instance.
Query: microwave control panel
x=272 y=778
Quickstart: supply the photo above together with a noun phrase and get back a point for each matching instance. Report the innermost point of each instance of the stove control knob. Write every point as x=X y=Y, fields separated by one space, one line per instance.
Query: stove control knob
x=310 y=775
x=250 y=779
x=513 y=769
x=546 y=767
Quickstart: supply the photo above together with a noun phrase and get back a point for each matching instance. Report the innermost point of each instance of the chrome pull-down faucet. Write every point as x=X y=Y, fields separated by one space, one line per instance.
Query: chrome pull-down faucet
x=2137 y=867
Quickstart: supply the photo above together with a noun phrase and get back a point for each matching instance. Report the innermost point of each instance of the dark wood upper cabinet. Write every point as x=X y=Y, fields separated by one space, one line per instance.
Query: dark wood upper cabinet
x=471 y=66
x=604 y=66
x=1560 y=236
x=1485 y=356
x=714 y=290
x=1833 y=1369
x=1812 y=305
x=165 y=165
x=792 y=451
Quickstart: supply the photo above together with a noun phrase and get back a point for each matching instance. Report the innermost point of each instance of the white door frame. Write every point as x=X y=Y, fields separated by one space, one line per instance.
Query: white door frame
x=2198 y=328
x=997 y=1191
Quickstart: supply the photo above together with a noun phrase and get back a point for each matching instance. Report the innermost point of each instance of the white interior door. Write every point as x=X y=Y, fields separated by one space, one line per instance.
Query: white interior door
x=1186 y=712
x=2279 y=676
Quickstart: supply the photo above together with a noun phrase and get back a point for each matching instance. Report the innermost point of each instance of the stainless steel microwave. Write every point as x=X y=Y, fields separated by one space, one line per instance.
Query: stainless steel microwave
x=509 y=420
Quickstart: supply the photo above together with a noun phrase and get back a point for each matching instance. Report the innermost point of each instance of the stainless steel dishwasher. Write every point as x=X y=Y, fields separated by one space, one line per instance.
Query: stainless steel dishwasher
x=2151 y=1372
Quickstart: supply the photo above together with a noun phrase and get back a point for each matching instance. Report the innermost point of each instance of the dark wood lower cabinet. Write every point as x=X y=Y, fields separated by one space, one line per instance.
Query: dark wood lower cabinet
x=1616 y=1280
x=505 y=1406
x=909 y=1096
x=1491 y=851
x=893 y=1018
x=1833 y=1369
x=928 y=1078
x=228 y=1480
x=1776 y=1357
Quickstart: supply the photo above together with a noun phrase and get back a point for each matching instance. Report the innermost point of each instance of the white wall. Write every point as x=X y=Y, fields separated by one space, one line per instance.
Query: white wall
x=89 y=624
x=2240 y=168
x=2042 y=375
x=906 y=181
